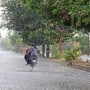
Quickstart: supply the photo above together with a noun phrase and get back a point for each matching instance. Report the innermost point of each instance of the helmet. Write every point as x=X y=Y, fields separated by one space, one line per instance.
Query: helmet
x=33 y=44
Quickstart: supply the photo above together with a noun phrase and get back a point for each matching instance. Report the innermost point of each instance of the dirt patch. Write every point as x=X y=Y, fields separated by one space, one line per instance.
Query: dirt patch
x=81 y=65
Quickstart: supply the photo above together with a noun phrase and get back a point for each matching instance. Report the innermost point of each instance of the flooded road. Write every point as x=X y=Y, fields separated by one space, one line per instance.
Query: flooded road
x=47 y=75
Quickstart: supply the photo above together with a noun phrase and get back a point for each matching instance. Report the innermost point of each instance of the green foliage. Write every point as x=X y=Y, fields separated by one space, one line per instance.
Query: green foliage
x=56 y=56
x=36 y=20
x=5 y=43
x=12 y=42
x=55 y=51
x=15 y=39
x=75 y=11
x=25 y=16
x=72 y=54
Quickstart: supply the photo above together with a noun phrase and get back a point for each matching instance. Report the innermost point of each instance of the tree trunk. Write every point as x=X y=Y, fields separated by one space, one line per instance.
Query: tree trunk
x=60 y=42
x=47 y=50
x=43 y=50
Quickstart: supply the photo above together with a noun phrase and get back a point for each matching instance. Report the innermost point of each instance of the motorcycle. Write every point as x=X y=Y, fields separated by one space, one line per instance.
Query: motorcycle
x=32 y=60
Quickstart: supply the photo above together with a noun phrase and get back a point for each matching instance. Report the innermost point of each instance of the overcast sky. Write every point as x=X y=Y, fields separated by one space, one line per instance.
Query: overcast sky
x=3 y=31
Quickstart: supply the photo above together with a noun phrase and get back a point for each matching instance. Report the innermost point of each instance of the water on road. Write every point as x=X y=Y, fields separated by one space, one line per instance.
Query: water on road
x=47 y=75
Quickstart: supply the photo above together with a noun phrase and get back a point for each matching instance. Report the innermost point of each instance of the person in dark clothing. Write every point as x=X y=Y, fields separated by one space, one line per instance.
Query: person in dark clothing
x=31 y=53
x=26 y=56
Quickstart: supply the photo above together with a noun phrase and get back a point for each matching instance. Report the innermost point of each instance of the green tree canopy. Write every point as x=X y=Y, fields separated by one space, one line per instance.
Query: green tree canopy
x=37 y=20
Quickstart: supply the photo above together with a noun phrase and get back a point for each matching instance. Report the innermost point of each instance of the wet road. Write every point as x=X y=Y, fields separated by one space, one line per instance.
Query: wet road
x=47 y=75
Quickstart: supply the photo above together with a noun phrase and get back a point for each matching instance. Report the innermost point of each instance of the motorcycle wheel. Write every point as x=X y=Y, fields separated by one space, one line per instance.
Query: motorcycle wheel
x=32 y=65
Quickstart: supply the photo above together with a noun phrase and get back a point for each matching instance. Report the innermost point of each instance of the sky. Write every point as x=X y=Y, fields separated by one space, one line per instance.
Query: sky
x=3 y=31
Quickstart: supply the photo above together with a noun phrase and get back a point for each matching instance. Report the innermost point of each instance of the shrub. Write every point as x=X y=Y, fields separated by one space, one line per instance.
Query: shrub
x=55 y=51
x=72 y=54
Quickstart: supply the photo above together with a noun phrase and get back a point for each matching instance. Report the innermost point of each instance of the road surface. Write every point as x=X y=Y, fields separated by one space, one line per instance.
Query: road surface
x=47 y=75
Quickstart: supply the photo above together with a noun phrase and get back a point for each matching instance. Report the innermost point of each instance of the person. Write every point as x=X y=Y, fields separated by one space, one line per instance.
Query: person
x=33 y=52
x=27 y=54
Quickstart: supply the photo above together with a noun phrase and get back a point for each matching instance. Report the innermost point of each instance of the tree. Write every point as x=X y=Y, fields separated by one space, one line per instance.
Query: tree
x=37 y=21
x=31 y=26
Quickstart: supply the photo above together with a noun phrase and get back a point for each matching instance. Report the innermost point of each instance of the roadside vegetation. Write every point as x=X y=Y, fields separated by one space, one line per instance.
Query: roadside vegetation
x=61 y=27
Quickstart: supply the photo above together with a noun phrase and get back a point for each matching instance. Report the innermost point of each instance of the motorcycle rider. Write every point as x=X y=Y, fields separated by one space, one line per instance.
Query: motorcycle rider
x=27 y=54
x=31 y=53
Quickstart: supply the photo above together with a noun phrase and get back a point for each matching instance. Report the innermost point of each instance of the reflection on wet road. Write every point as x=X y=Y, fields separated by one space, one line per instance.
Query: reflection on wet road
x=47 y=75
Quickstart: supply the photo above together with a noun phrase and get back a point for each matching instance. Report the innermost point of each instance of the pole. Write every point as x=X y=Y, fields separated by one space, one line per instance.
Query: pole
x=88 y=44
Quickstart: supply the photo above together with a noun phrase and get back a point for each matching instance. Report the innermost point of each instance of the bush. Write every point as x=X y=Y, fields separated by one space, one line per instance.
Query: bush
x=72 y=54
x=54 y=49
x=56 y=56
